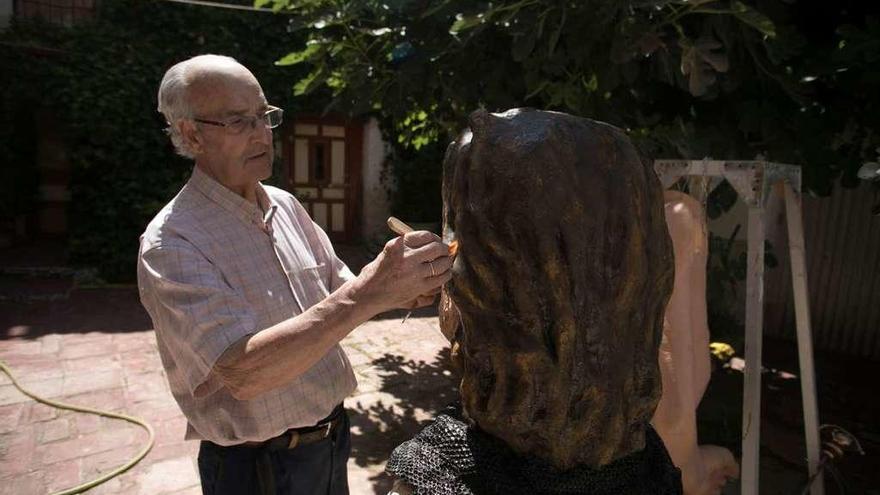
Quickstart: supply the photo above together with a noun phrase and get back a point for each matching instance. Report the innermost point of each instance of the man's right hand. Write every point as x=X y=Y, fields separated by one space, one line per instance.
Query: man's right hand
x=408 y=273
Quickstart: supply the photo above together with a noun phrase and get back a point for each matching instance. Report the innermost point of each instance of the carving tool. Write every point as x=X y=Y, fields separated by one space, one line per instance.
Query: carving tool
x=398 y=227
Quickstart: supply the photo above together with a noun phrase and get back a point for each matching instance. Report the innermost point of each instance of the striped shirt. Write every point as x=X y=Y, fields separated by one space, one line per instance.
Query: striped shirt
x=213 y=268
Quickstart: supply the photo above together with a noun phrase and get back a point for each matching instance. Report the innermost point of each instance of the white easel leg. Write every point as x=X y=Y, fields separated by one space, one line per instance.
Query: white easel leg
x=794 y=220
x=751 y=428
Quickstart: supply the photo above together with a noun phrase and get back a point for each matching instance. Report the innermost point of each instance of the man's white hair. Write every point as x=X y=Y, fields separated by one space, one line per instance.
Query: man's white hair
x=173 y=97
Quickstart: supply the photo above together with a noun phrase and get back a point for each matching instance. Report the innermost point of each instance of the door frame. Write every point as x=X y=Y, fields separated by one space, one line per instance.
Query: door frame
x=354 y=149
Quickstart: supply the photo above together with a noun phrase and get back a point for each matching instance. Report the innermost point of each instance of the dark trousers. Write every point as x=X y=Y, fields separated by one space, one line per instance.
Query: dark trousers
x=315 y=469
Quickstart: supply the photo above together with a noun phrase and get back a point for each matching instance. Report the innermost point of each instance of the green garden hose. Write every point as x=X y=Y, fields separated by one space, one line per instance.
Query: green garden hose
x=70 y=407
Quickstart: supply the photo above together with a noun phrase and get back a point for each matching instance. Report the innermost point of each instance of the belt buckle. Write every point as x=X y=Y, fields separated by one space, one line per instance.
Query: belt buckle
x=294 y=439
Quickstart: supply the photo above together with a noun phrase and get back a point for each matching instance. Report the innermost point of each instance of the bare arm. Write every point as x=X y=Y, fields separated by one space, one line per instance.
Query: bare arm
x=395 y=279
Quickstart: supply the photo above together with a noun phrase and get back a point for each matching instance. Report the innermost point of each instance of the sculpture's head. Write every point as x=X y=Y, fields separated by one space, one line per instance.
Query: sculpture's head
x=563 y=272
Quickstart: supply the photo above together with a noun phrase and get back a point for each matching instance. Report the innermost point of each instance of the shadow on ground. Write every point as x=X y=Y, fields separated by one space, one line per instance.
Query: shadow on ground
x=111 y=310
x=417 y=391
x=61 y=307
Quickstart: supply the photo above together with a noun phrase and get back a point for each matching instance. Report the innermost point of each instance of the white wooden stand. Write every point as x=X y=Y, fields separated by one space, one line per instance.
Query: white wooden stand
x=753 y=181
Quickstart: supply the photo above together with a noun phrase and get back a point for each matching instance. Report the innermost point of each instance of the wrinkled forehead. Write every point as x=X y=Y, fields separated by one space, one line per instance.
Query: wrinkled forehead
x=224 y=91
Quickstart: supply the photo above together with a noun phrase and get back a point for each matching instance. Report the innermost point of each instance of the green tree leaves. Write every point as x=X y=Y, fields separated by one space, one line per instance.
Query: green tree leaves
x=311 y=82
x=719 y=78
x=701 y=61
x=753 y=18
x=465 y=22
x=294 y=58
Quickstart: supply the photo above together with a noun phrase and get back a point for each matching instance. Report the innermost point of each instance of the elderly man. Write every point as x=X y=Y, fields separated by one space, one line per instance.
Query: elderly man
x=249 y=300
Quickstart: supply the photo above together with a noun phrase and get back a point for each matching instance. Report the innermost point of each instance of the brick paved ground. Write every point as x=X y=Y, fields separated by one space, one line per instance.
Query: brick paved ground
x=97 y=349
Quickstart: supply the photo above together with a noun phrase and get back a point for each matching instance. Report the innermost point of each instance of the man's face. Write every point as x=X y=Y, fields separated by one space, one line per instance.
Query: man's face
x=234 y=159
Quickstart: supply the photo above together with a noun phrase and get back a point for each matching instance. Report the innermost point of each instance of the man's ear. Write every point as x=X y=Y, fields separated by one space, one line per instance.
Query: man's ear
x=191 y=136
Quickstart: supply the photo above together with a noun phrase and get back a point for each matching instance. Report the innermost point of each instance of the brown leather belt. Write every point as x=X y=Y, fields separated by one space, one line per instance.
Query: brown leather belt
x=296 y=437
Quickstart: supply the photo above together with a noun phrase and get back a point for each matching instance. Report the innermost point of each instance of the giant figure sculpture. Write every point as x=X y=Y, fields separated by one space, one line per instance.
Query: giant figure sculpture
x=563 y=272
x=684 y=354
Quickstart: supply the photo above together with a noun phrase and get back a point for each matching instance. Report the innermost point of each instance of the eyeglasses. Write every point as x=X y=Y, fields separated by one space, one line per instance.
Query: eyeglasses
x=236 y=125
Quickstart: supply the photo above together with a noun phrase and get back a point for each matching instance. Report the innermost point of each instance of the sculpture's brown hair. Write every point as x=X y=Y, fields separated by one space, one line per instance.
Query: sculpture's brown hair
x=561 y=280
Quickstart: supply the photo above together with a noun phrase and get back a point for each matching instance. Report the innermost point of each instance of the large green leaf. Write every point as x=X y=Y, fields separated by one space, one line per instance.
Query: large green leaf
x=311 y=82
x=300 y=56
x=465 y=22
x=754 y=18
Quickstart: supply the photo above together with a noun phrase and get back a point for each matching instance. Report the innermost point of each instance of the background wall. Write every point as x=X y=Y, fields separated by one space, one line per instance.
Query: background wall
x=843 y=269
x=376 y=205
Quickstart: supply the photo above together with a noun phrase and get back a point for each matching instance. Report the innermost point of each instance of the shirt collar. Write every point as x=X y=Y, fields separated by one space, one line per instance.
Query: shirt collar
x=248 y=212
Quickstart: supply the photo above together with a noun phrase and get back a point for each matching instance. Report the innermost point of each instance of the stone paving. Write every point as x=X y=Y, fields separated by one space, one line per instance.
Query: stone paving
x=97 y=349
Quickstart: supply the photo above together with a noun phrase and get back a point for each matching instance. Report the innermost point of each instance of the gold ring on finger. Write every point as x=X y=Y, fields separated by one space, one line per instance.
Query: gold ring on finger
x=433 y=273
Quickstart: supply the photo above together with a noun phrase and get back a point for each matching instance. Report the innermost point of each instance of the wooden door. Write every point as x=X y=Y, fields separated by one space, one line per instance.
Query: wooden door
x=323 y=157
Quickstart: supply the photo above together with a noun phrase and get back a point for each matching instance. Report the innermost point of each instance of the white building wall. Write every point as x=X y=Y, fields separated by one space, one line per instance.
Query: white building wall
x=376 y=206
